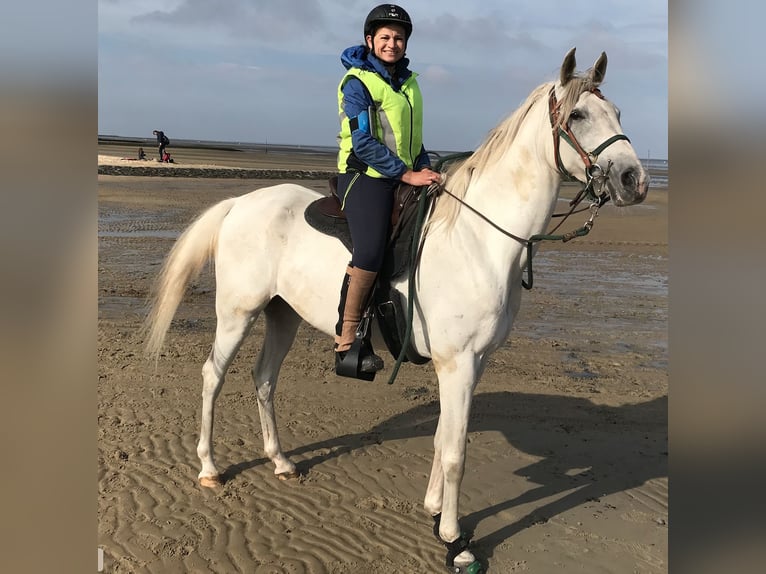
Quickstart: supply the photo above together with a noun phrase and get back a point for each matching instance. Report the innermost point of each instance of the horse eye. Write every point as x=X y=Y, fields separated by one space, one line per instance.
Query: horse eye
x=576 y=115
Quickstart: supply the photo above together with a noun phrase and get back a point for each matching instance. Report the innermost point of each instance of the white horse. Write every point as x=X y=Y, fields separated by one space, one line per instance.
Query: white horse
x=467 y=288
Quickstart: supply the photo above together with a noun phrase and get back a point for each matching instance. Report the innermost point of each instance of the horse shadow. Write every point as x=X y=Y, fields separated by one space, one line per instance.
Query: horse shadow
x=617 y=448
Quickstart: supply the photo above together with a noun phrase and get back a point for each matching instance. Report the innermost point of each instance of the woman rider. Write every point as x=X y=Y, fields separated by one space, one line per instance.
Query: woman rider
x=381 y=145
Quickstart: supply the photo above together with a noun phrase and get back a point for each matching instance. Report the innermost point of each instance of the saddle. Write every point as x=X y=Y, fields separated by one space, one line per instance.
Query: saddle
x=326 y=216
x=326 y=213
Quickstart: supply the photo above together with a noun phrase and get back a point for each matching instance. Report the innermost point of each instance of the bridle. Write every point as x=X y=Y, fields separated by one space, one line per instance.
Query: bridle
x=595 y=176
x=593 y=188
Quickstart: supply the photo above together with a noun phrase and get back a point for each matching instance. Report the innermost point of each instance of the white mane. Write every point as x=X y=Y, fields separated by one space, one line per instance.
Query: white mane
x=497 y=142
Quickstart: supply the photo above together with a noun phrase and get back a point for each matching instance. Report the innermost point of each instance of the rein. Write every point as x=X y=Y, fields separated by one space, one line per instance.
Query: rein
x=593 y=188
x=580 y=232
x=595 y=177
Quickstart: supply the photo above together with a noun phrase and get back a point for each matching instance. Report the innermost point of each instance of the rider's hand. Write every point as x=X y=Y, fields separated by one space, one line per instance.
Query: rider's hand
x=426 y=176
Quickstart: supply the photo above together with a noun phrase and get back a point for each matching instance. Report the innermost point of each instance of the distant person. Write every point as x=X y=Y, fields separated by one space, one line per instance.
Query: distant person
x=141 y=154
x=381 y=145
x=162 y=141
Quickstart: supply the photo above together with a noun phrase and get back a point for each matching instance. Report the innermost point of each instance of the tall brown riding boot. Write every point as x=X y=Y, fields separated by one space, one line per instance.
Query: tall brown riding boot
x=342 y=303
x=357 y=286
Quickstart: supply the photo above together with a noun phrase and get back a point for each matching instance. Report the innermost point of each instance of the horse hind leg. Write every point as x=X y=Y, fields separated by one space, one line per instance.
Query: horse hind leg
x=282 y=324
x=231 y=330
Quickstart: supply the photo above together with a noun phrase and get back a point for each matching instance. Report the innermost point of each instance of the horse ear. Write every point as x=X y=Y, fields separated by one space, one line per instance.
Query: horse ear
x=568 y=67
x=598 y=71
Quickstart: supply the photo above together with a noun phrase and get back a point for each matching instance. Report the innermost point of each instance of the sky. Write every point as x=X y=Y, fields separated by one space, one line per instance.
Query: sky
x=268 y=70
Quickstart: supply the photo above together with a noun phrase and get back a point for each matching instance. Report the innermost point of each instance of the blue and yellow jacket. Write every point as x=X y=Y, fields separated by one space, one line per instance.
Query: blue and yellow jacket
x=393 y=142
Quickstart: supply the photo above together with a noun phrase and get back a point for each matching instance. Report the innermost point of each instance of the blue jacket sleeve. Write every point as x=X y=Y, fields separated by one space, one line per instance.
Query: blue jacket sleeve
x=423 y=160
x=356 y=100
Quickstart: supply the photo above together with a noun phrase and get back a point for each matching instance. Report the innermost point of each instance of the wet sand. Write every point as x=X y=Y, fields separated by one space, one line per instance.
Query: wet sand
x=567 y=455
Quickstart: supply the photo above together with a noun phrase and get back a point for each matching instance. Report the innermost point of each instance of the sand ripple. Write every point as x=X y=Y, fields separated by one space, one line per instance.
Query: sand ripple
x=567 y=455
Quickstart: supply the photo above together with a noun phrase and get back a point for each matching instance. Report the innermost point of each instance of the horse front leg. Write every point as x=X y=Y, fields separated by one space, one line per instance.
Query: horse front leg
x=435 y=492
x=281 y=326
x=457 y=380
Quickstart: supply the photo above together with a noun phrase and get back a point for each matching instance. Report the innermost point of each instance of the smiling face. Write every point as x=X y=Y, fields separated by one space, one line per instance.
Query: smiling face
x=388 y=43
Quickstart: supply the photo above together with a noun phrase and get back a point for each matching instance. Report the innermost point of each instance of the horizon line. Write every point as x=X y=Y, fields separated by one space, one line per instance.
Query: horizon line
x=105 y=138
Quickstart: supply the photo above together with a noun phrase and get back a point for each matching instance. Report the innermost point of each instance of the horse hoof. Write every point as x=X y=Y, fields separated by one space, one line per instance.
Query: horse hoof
x=474 y=567
x=210 y=481
x=288 y=475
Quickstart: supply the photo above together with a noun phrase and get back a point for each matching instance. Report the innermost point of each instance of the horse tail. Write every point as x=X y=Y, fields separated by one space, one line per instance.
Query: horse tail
x=194 y=248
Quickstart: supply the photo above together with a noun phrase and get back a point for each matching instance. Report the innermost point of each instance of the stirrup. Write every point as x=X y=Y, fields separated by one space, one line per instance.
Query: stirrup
x=358 y=362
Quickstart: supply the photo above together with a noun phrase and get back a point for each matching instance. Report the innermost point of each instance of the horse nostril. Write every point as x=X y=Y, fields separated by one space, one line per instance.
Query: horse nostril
x=629 y=179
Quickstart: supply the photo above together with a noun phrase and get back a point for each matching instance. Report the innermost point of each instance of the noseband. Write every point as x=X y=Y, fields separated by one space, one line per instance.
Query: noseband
x=594 y=173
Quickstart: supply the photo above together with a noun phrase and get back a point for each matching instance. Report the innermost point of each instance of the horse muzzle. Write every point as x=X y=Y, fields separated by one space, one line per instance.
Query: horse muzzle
x=629 y=186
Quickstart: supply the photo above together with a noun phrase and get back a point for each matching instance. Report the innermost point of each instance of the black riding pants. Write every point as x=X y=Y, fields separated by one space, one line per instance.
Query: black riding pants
x=367 y=202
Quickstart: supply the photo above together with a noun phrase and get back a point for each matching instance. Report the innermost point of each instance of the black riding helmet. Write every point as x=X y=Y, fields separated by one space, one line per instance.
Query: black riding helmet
x=387 y=14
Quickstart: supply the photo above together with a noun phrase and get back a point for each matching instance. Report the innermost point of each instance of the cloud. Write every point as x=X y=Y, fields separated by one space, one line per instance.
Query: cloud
x=437 y=74
x=258 y=21
x=236 y=67
x=269 y=58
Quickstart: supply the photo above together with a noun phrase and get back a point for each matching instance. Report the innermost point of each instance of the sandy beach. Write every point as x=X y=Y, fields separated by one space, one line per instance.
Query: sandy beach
x=567 y=459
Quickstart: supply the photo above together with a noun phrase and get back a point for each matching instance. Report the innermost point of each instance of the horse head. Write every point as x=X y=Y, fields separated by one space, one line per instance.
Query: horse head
x=598 y=153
